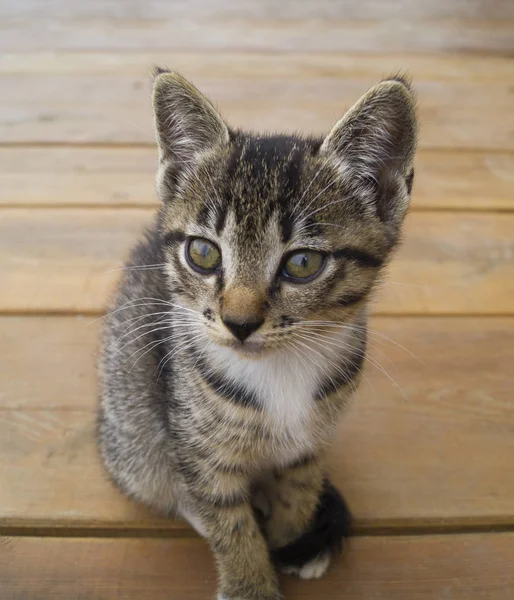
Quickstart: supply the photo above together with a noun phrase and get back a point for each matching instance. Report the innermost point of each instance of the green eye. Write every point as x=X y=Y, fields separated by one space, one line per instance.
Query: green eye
x=303 y=266
x=203 y=255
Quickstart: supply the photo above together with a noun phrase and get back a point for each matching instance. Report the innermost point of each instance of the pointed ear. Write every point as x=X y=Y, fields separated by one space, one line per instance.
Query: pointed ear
x=374 y=145
x=186 y=123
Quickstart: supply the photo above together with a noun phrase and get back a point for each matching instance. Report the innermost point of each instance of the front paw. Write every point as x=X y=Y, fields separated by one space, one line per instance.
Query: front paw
x=309 y=556
x=223 y=596
x=313 y=569
x=246 y=590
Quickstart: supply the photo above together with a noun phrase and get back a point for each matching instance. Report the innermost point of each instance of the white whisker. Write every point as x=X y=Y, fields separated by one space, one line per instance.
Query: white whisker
x=167 y=357
x=160 y=328
x=338 y=369
x=137 y=268
x=323 y=164
x=369 y=330
x=153 y=344
x=143 y=302
x=133 y=330
x=301 y=215
x=316 y=332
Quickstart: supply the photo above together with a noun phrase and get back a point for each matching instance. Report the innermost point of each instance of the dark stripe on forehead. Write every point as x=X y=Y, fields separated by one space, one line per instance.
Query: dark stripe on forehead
x=286 y=226
x=221 y=217
x=289 y=190
x=202 y=218
x=264 y=176
x=362 y=257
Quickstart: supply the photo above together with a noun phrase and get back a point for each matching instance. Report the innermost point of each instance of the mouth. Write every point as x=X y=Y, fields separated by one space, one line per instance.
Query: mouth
x=246 y=349
x=249 y=348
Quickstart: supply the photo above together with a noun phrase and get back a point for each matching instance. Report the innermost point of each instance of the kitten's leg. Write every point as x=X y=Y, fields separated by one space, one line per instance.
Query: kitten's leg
x=227 y=522
x=293 y=492
x=308 y=519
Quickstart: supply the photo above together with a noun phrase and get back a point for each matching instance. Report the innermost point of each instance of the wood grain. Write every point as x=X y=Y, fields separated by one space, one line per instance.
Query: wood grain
x=259 y=9
x=464 y=102
x=428 y=445
x=62 y=260
x=458 y=567
x=78 y=176
x=347 y=26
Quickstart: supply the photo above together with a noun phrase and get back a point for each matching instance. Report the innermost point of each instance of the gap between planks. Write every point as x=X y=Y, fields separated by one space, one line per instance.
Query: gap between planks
x=360 y=530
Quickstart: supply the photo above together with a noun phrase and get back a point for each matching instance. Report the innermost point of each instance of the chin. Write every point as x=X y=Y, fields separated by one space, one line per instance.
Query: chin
x=253 y=350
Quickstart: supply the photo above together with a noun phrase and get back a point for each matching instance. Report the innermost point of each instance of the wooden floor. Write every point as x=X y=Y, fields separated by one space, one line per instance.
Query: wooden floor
x=425 y=456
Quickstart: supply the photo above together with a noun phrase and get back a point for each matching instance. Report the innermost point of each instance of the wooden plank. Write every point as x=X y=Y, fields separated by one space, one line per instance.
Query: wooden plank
x=428 y=445
x=42 y=346
x=308 y=26
x=464 y=180
x=59 y=260
x=81 y=176
x=259 y=9
x=458 y=567
x=78 y=176
x=98 y=98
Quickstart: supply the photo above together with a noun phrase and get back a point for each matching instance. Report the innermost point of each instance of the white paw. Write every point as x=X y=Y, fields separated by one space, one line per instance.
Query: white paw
x=313 y=569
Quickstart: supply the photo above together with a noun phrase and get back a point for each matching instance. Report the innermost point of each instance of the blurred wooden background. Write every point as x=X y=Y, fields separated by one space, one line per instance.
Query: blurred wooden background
x=425 y=456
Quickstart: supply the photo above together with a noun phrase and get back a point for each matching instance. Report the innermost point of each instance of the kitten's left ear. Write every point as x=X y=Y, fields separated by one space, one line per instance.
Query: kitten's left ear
x=187 y=124
x=374 y=145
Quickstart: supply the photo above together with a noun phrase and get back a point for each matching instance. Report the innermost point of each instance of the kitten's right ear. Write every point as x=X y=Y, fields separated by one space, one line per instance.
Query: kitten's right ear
x=374 y=144
x=186 y=123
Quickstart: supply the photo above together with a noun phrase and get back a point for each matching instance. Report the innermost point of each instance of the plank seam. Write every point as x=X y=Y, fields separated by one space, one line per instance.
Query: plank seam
x=417 y=530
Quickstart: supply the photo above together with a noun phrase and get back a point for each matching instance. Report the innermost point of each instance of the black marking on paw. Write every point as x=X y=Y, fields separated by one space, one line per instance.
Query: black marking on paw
x=330 y=525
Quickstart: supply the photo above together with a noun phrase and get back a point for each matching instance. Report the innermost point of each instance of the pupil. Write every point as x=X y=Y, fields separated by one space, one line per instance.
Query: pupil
x=304 y=261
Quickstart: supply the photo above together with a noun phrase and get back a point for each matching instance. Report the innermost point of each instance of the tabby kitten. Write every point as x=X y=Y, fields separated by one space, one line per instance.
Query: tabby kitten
x=238 y=331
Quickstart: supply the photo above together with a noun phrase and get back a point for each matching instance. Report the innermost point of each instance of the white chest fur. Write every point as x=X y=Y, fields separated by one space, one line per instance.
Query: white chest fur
x=285 y=383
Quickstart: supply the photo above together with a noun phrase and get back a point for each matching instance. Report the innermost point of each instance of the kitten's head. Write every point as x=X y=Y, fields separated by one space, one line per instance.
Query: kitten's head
x=264 y=233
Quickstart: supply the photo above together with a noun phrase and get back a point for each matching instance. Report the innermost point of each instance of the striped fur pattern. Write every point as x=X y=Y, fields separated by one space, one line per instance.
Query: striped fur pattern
x=229 y=433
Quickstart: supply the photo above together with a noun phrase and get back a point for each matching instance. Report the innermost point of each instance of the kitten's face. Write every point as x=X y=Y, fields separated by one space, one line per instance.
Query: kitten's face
x=271 y=239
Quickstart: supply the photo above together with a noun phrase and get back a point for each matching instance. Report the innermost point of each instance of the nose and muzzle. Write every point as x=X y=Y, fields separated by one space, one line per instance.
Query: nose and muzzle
x=242 y=311
x=242 y=330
